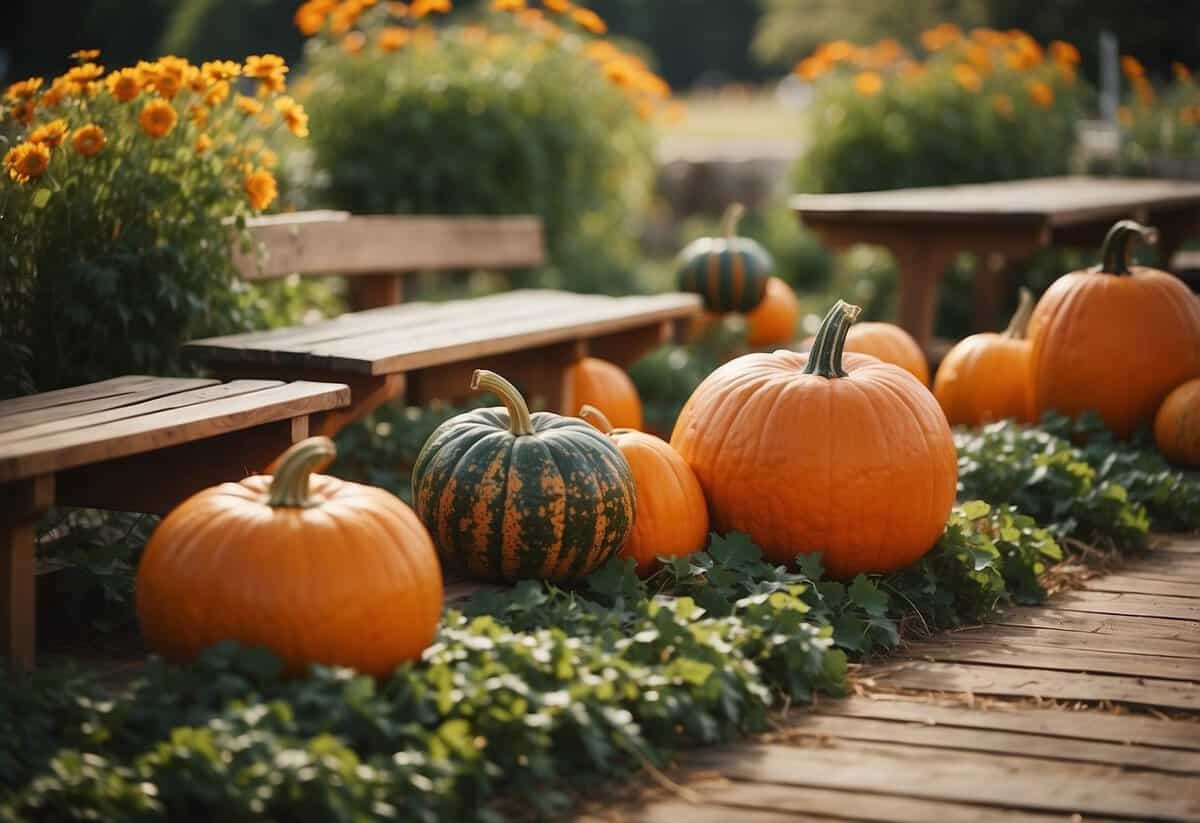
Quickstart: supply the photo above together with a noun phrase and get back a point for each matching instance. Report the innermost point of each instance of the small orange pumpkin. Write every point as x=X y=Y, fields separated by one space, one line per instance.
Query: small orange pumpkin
x=606 y=386
x=1114 y=338
x=314 y=568
x=889 y=343
x=672 y=517
x=985 y=377
x=822 y=452
x=773 y=322
x=1177 y=425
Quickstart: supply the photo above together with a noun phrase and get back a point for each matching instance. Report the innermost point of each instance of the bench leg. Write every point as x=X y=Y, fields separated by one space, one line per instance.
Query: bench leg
x=921 y=269
x=24 y=504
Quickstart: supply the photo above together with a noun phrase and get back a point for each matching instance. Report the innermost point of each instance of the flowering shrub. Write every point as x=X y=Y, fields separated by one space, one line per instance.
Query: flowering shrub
x=112 y=196
x=515 y=110
x=988 y=105
x=1160 y=133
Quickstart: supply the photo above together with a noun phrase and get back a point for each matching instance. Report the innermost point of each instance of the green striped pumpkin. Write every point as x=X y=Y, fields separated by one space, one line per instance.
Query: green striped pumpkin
x=729 y=272
x=508 y=495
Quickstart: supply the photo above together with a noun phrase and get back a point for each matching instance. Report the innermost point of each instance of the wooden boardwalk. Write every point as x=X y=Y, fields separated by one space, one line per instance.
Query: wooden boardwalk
x=1087 y=708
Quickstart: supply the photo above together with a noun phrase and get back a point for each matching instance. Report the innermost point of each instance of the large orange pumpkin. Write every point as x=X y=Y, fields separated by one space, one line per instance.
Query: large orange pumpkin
x=672 y=517
x=824 y=452
x=774 y=321
x=314 y=568
x=606 y=386
x=1177 y=425
x=1114 y=338
x=985 y=377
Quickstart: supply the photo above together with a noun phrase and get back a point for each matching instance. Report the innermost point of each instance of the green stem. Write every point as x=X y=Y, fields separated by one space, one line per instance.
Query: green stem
x=1019 y=324
x=825 y=356
x=1114 y=254
x=730 y=220
x=596 y=417
x=521 y=423
x=289 y=486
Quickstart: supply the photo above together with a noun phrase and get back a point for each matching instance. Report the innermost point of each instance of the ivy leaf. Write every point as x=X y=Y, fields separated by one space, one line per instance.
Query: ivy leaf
x=974 y=509
x=865 y=594
x=810 y=565
x=735 y=550
x=615 y=582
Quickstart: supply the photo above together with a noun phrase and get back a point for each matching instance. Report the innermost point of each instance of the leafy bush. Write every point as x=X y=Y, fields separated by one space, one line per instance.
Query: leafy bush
x=986 y=106
x=111 y=210
x=527 y=114
x=1158 y=130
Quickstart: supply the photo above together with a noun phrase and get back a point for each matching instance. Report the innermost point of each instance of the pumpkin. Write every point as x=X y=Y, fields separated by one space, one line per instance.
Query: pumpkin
x=1177 y=425
x=508 y=495
x=985 y=377
x=774 y=321
x=606 y=386
x=672 y=517
x=1114 y=338
x=314 y=568
x=822 y=452
x=891 y=344
x=730 y=272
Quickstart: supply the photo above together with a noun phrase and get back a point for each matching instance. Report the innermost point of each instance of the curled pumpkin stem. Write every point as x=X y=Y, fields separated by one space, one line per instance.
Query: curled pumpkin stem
x=289 y=486
x=825 y=356
x=1114 y=254
x=730 y=219
x=1018 y=326
x=596 y=417
x=520 y=421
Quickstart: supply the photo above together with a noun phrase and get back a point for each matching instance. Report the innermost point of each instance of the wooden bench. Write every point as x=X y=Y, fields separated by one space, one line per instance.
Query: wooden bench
x=427 y=351
x=132 y=443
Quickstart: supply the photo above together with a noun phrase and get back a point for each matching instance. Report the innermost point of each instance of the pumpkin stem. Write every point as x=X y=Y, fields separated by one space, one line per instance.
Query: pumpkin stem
x=289 y=486
x=520 y=423
x=731 y=218
x=596 y=417
x=825 y=356
x=1019 y=324
x=1114 y=254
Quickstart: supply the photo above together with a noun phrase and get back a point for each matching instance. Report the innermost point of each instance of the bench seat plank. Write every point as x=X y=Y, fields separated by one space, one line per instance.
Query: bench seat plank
x=73 y=413
x=114 y=387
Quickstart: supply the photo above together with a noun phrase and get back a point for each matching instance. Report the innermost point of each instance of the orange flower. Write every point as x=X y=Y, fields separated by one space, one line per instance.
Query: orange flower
x=88 y=140
x=392 y=38
x=198 y=114
x=50 y=134
x=168 y=75
x=1041 y=94
x=260 y=188
x=560 y=6
x=1182 y=73
x=60 y=89
x=397 y=8
x=940 y=36
x=422 y=8
x=1125 y=115
x=1002 y=104
x=293 y=115
x=868 y=83
x=1132 y=67
x=217 y=94
x=24 y=90
x=979 y=58
x=1143 y=90
x=967 y=77
x=353 y=42
x=81 y=76
x=203 y=144
x=589 y=20
x=268 y=158
x=124 y=85
x=84 y=55
x=310 y=17
x=811 y=67
x=157 y=119
x=27 y=161
x=22 y=111
x=247 y=105
x=268 y=69
x=508 y=5
x=1064 y=53
x=217 y=70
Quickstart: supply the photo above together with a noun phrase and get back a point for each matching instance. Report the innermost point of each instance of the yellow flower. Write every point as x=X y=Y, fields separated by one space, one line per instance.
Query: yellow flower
x=1064 y=53
x=88 y=140
x=216 y=71
x=124 y=85
x=310 y=17
x=268 y=69
x=398 y=9
x=589 y=20
x=353 y=42
x=22 y=111
x=421 y=8
x=203 y=144
x=560 y=6
x=247 y=105
x=293 y=115
x=1132 y=67
x=27 y=161
x=868 y=83
x=157 y=119
x=60 y=89
x=84 y=55
x=198 y=114
x=1002 y=104
x=81 y=76
x=50 y=134
x=343 y=17
x=1182 y=73
x=967 y=77
x=392 y=38
x=260 y=188
x=23 y=90
x=1041 y=94
x=216 y=95
x=268 y=158
x=508 y=5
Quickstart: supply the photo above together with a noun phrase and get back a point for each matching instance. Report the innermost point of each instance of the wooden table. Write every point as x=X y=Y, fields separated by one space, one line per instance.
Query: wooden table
x=132 y=443
x=999 y=222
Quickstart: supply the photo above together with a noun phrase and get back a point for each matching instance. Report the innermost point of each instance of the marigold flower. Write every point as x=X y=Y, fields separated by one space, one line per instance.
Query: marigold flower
x=247 y=105
x=1064 y=53
x=343 y=18
x=203 y=143
x=293 y=115
x=198 y=114
x=1041 y=94
x=217 y=94
x=1132 y=67
x=124 y=85
x=392 y=38
x=836 y=51
x=268 y=69
x=979 y=58
x=508 y=5
x=589 y=20
x=811 y=67
x=260 y=188
x=22 y=111
x=868 y=83
x=1143 y=90
x=422 y=8
x=50 y=134
x=88 y=140
x=157 y=119
x=268 y=158
x=23 y=90
x=560 y=6
x=27 y=161
x=310 y=17
x=1182 y=73
x=353 y=42
x=1002 y=104
x=217 y=70
x=940 y=36
x=85 y=55
x=81 y=76
x=398 y=9
x=967 y=77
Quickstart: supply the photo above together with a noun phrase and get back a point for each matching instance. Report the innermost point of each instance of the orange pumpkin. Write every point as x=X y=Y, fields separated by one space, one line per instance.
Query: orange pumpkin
x=1177 y=425
x=891 y=344
x=314 y=568
x=672 y=517
x=824 y=452
x=985 y=377
x=606 y=386
x=1114 y=338
x=773 y=322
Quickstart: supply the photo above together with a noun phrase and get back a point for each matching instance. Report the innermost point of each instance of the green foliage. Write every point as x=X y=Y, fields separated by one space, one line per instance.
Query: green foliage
x=534 y=125
x=1160 y=132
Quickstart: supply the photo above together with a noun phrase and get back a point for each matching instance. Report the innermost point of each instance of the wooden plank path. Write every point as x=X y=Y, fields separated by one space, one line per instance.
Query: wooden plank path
x=1086 y=708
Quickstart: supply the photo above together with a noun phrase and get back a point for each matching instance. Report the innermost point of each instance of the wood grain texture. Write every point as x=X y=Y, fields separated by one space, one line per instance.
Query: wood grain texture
x=1138 y=585
x=1026 y=637
x=1130 y=627
x=1129 y=605
x=1017 y=654
x=76 y=394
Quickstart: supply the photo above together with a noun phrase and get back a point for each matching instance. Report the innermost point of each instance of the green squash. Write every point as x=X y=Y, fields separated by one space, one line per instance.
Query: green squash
x=729 y=272
x=508 y=495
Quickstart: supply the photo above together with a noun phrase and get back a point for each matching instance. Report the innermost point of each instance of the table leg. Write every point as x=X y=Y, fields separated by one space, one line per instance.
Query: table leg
x=921 y=268
x=24 y=503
